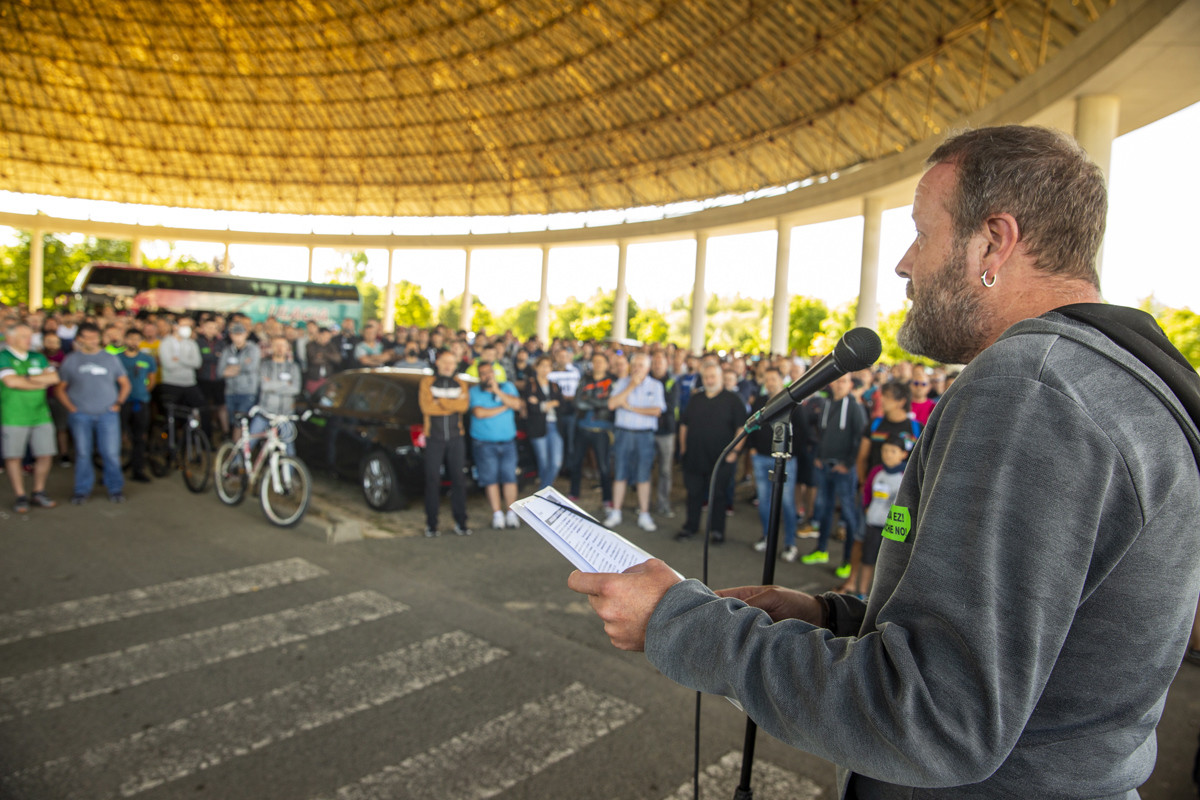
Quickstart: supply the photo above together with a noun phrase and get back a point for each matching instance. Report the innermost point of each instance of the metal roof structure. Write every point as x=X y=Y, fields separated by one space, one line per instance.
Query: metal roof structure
x=478 y=107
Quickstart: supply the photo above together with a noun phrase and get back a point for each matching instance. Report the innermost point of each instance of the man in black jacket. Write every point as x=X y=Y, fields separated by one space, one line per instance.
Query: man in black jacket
x=708 y=425
x=444 y=399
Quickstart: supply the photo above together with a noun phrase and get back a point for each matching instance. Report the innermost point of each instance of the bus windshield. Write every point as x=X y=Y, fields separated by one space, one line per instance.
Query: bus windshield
x=138 y=289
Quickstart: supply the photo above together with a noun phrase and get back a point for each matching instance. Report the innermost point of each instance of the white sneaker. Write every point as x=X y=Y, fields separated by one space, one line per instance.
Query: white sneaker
x=790 y=554
x=612 y=519
x=512 y=519
x=760 y=546
x=646 y=522
x=497 y=520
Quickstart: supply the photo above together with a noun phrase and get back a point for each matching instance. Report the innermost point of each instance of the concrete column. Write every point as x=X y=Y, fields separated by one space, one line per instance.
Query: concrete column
x=465 y=312
x=37 y=254
x=543 y=314
x=135 y=252
x=780 y=304
x=389 y=299
x=1096 y=118
x=225 y=266
x=868 y=280
x=699 y=295
x=310 y=264
x=620 y=316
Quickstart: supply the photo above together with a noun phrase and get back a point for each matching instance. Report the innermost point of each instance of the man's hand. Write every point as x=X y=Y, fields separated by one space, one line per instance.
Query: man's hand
x=625 y=601
x=780 y=603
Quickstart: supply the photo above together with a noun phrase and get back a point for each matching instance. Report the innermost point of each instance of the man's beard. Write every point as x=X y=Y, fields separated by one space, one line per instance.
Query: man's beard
x=947 y=321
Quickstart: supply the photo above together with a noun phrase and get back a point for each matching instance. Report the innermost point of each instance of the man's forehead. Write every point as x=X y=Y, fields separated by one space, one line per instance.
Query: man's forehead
x=934 y=188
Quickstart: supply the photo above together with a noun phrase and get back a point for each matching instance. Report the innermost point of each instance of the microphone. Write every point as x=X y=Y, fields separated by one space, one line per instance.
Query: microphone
x=858 y=349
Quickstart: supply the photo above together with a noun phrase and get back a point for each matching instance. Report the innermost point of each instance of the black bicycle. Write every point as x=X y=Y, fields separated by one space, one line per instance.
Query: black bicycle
x=182 y=446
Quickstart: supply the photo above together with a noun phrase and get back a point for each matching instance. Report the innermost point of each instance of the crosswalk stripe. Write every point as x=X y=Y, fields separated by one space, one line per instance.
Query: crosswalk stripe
x=73 y=614
x=501 y=752
x=101 y=674
x=181 y=748
x=769 y=782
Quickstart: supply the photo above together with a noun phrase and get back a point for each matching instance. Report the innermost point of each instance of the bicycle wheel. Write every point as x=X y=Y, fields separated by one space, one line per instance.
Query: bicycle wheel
x=232 y=476
x=196 y=460
x=285 y=494
x=157 y=454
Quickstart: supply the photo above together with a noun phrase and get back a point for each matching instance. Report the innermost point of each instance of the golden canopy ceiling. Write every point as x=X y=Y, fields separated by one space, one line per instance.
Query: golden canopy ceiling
x=467 y=107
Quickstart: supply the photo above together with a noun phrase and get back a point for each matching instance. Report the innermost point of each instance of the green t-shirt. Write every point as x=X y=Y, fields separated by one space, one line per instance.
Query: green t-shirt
x=23 y=407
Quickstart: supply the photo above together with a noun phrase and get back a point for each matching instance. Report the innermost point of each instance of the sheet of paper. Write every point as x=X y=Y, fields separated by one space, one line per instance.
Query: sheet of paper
x=583 y=541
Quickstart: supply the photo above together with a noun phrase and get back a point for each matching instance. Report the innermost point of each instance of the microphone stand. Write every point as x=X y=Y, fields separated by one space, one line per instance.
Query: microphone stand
x=781 y=451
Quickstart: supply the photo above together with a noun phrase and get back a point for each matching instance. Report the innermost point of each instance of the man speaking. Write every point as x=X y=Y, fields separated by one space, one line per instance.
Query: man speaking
x=1039 y=571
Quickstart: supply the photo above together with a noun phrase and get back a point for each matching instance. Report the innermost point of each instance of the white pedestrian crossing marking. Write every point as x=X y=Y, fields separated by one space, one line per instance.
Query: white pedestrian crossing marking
x=769 y=782
x=500 y=753
x=78 y=680
x=73 y=614
x=167 y=753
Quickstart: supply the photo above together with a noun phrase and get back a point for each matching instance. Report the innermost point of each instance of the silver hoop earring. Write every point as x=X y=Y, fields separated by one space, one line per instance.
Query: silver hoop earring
x=984 y=281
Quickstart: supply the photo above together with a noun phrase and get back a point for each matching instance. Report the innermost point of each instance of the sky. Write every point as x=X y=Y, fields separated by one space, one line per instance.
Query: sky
x=1147 y=251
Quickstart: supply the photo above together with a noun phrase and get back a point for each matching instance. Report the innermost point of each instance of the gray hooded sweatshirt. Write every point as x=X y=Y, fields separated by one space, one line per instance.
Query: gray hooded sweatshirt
x=1031 y=603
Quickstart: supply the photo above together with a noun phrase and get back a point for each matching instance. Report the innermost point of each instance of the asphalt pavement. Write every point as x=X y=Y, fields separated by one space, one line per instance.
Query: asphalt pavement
x=175 y=647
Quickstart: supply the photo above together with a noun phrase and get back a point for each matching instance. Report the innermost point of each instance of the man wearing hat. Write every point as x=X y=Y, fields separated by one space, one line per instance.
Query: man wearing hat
x=239 y=366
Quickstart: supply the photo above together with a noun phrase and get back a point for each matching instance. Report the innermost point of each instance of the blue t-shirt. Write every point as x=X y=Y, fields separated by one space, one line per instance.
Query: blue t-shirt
x=92 y=380
x=500 y=428
x=139 y=368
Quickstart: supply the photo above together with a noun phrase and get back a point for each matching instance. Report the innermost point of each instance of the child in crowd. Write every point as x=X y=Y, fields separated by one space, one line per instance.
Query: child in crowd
x=884 y=481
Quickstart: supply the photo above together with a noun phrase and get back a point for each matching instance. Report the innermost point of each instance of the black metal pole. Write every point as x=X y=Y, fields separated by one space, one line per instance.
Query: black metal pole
x=781 y=451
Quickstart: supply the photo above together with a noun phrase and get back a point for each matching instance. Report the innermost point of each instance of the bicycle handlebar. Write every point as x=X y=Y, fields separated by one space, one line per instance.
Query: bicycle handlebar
x=277 y=419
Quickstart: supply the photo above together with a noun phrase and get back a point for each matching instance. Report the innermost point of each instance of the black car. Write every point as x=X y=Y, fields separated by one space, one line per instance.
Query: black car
x=366 y=425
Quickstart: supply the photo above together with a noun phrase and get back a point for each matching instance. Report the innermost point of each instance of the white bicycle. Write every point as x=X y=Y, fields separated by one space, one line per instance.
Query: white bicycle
x=284 y=482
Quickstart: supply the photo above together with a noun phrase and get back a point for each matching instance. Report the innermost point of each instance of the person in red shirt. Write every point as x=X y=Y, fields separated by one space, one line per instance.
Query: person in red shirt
x=922 y=406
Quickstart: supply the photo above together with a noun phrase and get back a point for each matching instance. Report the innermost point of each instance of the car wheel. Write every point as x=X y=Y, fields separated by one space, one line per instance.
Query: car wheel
x=380 y=485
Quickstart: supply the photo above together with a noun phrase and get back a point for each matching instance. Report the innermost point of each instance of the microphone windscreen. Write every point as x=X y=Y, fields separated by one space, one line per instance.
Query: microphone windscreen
x=858 y=349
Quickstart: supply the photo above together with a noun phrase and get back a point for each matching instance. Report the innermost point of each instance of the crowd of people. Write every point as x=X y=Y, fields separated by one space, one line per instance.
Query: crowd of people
x=626 y=417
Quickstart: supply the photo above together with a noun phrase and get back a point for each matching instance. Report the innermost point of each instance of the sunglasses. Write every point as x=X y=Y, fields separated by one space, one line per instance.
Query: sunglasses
x=920 y=383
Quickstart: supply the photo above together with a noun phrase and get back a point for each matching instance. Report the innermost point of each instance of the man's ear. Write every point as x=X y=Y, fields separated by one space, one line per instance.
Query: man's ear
x=1001 y=235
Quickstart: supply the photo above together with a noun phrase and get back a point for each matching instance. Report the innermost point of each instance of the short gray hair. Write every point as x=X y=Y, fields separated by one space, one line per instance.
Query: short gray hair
x=1044 y=179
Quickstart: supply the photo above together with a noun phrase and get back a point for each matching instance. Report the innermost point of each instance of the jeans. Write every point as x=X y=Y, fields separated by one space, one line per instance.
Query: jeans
x=566 y=432
x=633 y=452
x=239 y=404
x=600 y=442
x=495 y=462
x=834 y=487
x=762 y=479
x=105 y=430
x=549 y=452
x=452 y=452
x=258 y=424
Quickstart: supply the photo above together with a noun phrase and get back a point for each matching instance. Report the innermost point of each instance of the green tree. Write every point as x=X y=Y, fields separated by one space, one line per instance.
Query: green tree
x=521 y=319
x=412 y=308
x=595 y=327
x=450 y=315
x=805 y=315
x=61 y=263
x=352 y=271
x=650 y=325
x=835 y=324
x=1182 y=326
x=563 y=316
